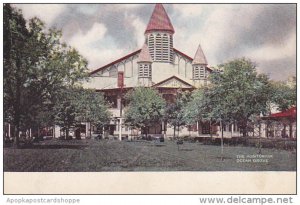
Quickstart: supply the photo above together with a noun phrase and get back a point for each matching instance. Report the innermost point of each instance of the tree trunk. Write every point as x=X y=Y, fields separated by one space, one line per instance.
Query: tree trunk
x=147 y=131
x=259 y=135
x=210 y=129
x=67 y=134
x=222 y=142
x=244 y=128
x=291 y=130
x=16 y=136
x=38 y=132
x=174 y=131
x=90 y=130
x=17 y=106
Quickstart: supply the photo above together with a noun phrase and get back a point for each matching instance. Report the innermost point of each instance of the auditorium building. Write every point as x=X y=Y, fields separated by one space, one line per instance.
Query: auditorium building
x=159 y=65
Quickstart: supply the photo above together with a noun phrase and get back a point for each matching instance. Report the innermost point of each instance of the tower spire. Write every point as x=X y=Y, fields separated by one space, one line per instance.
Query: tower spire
x=159 y=20
x=199 y=57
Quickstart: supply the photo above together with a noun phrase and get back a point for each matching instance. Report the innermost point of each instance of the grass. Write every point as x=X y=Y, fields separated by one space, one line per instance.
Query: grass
x=109 y=155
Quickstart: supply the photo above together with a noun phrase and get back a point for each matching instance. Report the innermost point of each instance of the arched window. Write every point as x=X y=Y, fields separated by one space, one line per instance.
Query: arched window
x=165 y=48
x=158 y=47
x=151 y=45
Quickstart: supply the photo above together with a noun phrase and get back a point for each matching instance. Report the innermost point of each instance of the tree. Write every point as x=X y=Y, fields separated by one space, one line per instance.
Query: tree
x=198 y=108
x=146 y=107
x=283 y=95
x=239 y=93
x=36 y=66
x=14 y=44
x=174 y=113
x=92 y=107
x=80 y=105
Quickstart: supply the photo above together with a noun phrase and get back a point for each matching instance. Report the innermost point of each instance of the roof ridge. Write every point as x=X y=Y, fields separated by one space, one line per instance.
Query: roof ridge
x=114 y=62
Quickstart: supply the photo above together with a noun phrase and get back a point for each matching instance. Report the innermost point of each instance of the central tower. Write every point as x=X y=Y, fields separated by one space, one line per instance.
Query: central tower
x=159 y=35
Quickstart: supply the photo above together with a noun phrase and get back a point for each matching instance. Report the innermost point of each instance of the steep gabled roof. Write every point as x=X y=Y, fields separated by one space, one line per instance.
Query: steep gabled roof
x=116 y=61
x=188 y=57
x=159 y=20
x=144 y=55
x=172 y=77
x=199 y=57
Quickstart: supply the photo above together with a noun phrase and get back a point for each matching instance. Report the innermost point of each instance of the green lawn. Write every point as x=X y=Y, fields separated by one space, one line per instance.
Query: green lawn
x=109 y=155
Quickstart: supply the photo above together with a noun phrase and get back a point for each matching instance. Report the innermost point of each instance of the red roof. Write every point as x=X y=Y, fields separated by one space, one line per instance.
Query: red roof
x=159 y=20
x=183 y=54
x=292 y=112
x=116 y=61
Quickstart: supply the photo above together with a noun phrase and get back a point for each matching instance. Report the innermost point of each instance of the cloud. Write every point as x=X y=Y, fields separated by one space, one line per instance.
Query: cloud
x=188 y=10
x=89 y=44
x=138 y=29
x=265 y=33
x=274 y=51
x=46 y=12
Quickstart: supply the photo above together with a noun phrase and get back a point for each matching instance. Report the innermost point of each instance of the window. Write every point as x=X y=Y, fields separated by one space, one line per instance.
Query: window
x=145 y=71
x=151 y=45
x=199 y=72
x=160 y=47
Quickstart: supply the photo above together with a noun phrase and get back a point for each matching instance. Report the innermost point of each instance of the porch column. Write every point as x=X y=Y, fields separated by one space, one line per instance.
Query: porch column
x=86 y=129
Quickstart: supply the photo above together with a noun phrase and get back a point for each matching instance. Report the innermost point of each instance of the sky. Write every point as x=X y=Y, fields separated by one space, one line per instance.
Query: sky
x=102 y=33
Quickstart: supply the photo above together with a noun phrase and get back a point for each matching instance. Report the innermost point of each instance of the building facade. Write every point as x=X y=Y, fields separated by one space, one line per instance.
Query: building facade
x=158 y=65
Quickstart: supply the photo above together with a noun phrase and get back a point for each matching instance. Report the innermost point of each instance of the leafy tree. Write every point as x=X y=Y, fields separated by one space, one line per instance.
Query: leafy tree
x=14 y=45
x=174 y=113
x=239 y=93
x=146 y=107
x=283 y=95
x=66 y=111
x=36 y=66
x=92 y=107
x=80 y=105
x=198 y=108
